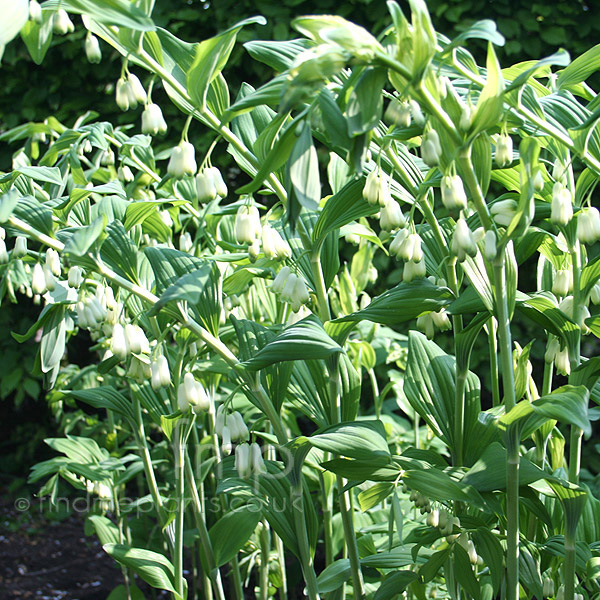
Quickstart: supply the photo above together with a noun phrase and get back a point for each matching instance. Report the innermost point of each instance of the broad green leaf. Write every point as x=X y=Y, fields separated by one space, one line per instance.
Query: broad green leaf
x=83 y=239
x=437 y=485
x=231 y=532
x=106 y=397
x=278 y=55
x=373 y=495
x=580 y=69
x=170 y=422
x=110 y=12
x=363 y=440
x=302 y=341
x=342 y=208
x=13 y=19
x=481 y=30
x=394 y=584
x=303 y=171
x=154 y=568
x=38 y=215
x=38 y=36
x=402 y=303
x=560 y=58
x=169 y=265
x=464 y=572
x=423 y=38
x=489 y=105
x=210 y=57
x=8 y=202
x=333 y=576
x=106 y=530
x=365 y=105
x=363 y=470
x=188 y=288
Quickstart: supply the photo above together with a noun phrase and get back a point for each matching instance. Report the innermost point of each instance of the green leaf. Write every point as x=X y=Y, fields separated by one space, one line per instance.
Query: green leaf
x=424 y=38
x=106 y=397
x=365 y=105
x=189 y=288
x=302 y=341
x=169 y=265
x=489 y=105
x=82 y=240
x=580 y=69
x=8 y=202
x=333 y=576
x=481 y=30
x=303 y=171
x=106 y=530
x=278 y=55
x=560 y=58
x=402 y=303
x=38 y=36
x=464 y=572
x=169 y=422
x=363 y=440
x=373 y=495
x=567 y=404
x=231 y=532
x=210 y=58
x=154 y=568
x=436 y=485
x=394 y=584
x=342 y=208
x=110 y=12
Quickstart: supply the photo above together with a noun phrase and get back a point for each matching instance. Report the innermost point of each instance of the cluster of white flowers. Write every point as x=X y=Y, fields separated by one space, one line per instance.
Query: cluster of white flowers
x=61 y=22
x=559 y=357
x=291 y=288
x=230 y=428
x=191 y=394
x=249 y=460
x=408 y=247
x=129 y=92
x=433 y=321
x=128 y=339
x=210 y=185
x=160 y=375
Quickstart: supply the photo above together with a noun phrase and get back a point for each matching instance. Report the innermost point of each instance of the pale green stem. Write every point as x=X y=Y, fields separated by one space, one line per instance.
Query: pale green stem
x=345 y=509
x=205 y=543
x=265 y=549
x=470 y=179
x=493 y=346
x=459 y=418
x=576 y=432
x=569 y=565
x=321 y=291
x=283 y=591
x=180 y=515
x=513 y=458
x=308 y=570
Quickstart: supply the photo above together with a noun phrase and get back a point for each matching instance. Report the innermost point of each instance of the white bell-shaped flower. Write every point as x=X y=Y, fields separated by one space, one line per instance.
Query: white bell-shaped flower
x=20 y=249
x=247 y=224
x=92 y=48
x=391 y=216
x=463 y=243
x=243 y=464
x=205 y=187
x=414 y=270
x=453 y=193
x=431 y=149
x=588 y=225
x=504 y=150
x=38 y=280
x=504 y=211
x=182 y=161
x=61 y=22
x=280 y=280
x=561 y=207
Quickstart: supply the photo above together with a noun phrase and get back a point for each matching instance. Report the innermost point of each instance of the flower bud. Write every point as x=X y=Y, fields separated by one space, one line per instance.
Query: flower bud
x=125 y=174
x=92 y=48
x=61 y=23
x=280 y=280
x=122 y=94
x=431 y=149
x=226 y=441
x=453 y=193
x=490 y=249
x=538 y=181
x=560 y=595
x=185 y=242
x=239 y=429
x=135 y=90
x=391 y=216
x=182 y=161
x=595 y=293
x=107 y=158
x=139 y=370
x=153 y=121
x=504 y=150
x=218 y=181
x=53 y=261
x=376 y=189
x=247 y=224
x=161 y=376
x=413 y=270
x=433 y=518
x=137 y=342
x=38 y=280
x=3 y=252
x=561 y=207
x=35 y=11
x=588 y=225
x=256 y=459
x=49 y=278
x=243 y=465
x=548 y=589
x=410 y=248
x=463 y=243
x=416 y=113
x=205 y=187
x=118 y=342
x=300 y=295
x=254 y=250
x=472 y=552
x=398 y=113
x=466 y=118
x=426 y=325
x=20 y=249
x=441 y=320
x=274 y=246
x=562 y=362
x=504 y=211
x=563 y=282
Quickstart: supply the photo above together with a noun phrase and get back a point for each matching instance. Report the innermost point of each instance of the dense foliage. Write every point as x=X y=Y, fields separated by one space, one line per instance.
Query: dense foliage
x=285 y=390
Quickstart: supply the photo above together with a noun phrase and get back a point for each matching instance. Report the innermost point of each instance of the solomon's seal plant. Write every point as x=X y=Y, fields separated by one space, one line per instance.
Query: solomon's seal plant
x=262 y=384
